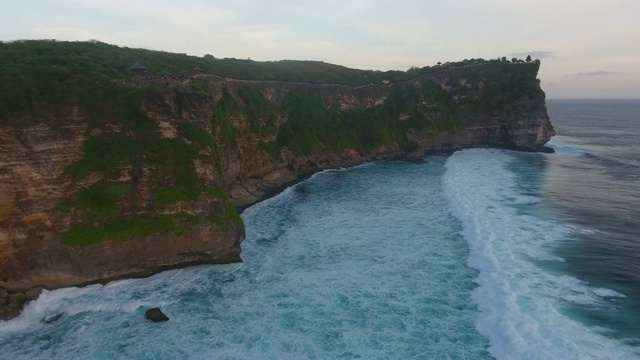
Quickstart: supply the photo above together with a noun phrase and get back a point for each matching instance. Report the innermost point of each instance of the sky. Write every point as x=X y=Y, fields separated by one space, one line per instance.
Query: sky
x=588 y=48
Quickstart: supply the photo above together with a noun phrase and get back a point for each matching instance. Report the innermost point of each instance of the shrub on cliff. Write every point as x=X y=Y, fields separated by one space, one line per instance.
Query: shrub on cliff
x=120 y=229
x=195 y=134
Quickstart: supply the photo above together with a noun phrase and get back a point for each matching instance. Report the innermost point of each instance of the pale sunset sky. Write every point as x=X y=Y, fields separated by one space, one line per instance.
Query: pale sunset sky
x=588 y=48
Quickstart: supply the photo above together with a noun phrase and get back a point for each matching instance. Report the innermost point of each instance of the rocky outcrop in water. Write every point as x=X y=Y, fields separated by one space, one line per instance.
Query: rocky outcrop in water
x=51 y=319
x=155 y=315
x=11 y=302
x=89 y=201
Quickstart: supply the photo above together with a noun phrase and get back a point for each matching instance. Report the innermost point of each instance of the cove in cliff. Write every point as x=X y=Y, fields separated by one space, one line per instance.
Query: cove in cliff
x=109 y=170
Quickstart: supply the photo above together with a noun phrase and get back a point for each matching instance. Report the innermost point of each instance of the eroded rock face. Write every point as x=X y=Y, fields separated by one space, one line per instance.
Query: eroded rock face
x=524 y=126
x=34 y=188
x=36 y=149
x=12 y=302
x=33 y=156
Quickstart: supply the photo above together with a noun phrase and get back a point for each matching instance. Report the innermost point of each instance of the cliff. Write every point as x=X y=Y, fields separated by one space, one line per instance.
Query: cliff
x=95 y=188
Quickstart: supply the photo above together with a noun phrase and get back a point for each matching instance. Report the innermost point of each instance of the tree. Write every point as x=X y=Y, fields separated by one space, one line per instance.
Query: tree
x=528 y=58
x=514 y=60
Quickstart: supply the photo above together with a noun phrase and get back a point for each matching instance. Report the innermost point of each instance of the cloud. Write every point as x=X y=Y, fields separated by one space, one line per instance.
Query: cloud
x=536 y=54
x=599 y=73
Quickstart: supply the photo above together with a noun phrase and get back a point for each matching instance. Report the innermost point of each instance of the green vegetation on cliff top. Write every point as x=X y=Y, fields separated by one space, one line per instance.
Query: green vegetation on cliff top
x=44 y=73
x=47 y=72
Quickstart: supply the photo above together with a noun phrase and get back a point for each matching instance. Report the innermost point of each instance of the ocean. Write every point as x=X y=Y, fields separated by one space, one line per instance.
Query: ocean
x=479 y=254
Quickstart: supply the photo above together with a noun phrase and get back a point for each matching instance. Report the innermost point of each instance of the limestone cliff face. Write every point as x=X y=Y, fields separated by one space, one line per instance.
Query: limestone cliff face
x=35 y=151
x=522 y=125
x=42 y=201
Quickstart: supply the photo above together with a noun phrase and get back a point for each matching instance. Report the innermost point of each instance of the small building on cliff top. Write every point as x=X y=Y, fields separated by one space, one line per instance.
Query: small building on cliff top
x=137 y=68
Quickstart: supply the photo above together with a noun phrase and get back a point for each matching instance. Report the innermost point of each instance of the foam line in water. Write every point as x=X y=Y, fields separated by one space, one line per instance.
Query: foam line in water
x=127 y=296
x=520 y=304
x=562 y=146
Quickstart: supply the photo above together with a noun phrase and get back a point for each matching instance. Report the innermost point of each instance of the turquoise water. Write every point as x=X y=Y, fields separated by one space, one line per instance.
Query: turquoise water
x=476 y=255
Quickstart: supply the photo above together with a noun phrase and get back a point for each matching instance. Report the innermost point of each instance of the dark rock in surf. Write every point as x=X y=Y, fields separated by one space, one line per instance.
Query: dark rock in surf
x=50 y=319
x=155 y=315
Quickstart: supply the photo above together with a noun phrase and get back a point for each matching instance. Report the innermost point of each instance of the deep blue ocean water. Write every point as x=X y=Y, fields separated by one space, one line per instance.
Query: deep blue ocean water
x=481 y=254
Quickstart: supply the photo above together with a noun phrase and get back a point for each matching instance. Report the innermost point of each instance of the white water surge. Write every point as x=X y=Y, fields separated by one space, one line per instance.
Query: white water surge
x=520 y=302
x=360 y=263
x=384 y=261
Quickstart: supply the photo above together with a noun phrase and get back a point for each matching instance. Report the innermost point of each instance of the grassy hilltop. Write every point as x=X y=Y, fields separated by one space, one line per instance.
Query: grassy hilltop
x=43 y=72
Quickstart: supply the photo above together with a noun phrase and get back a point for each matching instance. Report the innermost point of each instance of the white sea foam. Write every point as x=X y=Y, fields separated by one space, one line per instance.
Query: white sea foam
x=520 y=303
x=562 y=145
x=350 y=264
x=366 y=263
x=124 y=296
